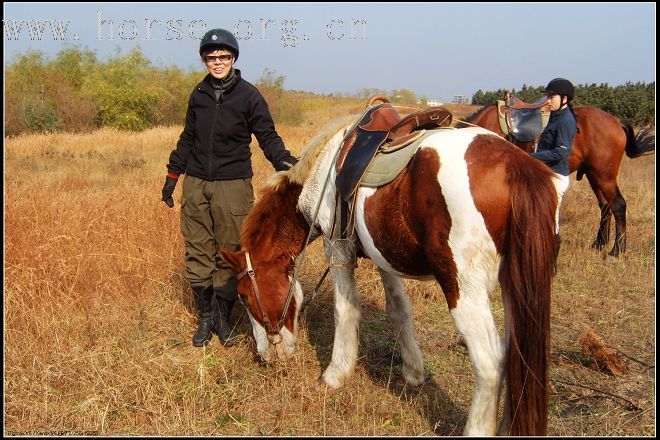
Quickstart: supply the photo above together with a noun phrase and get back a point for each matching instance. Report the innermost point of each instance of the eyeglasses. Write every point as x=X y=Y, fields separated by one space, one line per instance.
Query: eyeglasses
x=225 y=58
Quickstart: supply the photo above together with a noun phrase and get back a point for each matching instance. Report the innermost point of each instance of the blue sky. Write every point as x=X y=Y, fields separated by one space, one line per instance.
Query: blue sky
x=437 y=50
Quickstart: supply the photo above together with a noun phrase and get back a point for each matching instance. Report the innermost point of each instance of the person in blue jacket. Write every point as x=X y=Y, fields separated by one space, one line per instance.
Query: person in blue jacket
x=556 y=141
x=213 y=151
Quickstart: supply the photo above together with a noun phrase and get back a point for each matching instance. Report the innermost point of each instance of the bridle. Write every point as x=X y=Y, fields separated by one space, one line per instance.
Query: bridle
x=273 y=333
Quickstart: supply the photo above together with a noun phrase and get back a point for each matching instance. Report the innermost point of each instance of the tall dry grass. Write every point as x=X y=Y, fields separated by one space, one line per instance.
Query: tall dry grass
x=98 y=317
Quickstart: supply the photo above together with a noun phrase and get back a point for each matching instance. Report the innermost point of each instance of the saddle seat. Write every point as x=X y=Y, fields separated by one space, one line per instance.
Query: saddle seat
x=521 y=120
x=514 y=103
x=380 y=126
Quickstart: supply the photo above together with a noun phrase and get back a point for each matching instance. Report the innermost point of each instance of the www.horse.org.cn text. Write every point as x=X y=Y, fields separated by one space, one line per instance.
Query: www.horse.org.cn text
x=288 y=32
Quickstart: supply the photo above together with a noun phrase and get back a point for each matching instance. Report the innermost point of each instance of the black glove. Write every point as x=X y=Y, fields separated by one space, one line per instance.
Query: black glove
x=286 y=163
x=168 y=190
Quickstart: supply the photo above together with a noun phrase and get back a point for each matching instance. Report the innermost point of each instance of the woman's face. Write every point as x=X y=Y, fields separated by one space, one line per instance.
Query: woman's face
x=219 y=62
x=555 y=102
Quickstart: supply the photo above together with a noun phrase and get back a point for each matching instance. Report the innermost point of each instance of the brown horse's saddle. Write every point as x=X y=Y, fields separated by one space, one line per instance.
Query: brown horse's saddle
x=520 y=120
x=380 y=126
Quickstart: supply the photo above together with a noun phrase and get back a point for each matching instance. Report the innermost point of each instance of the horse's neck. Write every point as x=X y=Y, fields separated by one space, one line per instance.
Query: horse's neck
x=316 y=201
x=275 y=229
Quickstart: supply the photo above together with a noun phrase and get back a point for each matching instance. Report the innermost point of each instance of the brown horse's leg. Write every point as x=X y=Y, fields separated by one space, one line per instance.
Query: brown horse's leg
x=603 y=234
x=619 y=210
x=611 y=202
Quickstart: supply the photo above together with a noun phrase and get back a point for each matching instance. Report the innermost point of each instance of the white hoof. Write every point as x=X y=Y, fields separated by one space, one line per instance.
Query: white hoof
x=412 y=377
x=331 y=380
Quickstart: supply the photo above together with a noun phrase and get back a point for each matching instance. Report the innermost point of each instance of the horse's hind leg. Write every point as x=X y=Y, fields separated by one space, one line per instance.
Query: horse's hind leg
x=398 y=309
x=619 y=210
x=347 y=313
x=611 y=202
x=603 y=234
x=473 y=319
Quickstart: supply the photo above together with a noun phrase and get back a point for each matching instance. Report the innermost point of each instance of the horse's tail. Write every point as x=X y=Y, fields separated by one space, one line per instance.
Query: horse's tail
x=643 y=143
x=526 y=279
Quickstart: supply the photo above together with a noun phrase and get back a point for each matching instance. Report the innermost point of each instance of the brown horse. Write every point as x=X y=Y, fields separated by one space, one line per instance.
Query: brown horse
x=460 y=213
x=597 y=152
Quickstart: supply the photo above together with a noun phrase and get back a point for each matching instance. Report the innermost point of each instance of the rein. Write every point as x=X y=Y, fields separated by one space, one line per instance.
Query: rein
x=467 y=123
x=249 y=271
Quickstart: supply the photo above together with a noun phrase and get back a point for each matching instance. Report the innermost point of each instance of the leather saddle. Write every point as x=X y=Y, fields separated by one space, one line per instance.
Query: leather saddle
x=380 y=126
x=520 y=120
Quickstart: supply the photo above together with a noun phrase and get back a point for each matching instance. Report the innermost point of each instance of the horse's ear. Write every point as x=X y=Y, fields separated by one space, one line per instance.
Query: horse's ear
x=235 y=260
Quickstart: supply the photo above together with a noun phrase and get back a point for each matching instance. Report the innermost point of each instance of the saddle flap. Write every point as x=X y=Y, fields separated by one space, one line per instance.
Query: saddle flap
x=525 y=124
x=356 y=162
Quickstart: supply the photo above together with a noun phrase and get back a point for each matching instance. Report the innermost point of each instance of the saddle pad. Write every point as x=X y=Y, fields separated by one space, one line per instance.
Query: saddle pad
x=384 y=167
x=501 y=118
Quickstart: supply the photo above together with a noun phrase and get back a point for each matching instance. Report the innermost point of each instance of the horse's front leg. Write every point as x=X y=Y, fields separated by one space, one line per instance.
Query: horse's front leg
x=399 y=311
x=341 y=254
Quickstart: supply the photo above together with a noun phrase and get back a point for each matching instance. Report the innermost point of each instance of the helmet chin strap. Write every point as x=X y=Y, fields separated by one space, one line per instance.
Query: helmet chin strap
x=562 y=104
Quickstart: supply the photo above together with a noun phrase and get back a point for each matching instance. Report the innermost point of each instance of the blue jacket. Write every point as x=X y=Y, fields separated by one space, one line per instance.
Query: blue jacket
x=557 y=141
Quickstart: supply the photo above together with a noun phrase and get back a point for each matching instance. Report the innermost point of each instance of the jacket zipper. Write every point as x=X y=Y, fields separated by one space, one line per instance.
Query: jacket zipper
x=215 y=117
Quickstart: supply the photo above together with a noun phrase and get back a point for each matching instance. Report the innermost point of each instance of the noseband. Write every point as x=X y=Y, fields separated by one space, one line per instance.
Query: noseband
x=273 y=333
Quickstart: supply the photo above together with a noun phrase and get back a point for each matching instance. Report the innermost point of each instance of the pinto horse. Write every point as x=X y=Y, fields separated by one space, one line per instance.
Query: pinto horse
x=468 y=210
x=597 y=151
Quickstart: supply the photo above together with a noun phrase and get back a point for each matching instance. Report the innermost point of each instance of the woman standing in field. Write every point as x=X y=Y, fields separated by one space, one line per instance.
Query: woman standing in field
x=556 y=141
x=213 y=151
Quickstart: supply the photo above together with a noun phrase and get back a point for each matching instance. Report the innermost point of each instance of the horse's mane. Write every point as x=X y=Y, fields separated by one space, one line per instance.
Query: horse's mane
x=300 y=171
x=275 y=195
x=474 y=115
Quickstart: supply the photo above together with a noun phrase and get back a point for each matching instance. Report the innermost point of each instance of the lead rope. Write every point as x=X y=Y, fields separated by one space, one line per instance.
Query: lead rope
x=309 y=236
x=296 y=271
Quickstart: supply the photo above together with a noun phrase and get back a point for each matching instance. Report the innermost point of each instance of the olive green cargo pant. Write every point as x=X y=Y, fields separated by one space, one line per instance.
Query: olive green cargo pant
x=212 y=213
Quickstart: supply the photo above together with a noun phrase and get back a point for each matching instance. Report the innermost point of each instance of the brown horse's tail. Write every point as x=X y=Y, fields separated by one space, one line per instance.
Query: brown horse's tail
x=643 y=143
x=526 y=279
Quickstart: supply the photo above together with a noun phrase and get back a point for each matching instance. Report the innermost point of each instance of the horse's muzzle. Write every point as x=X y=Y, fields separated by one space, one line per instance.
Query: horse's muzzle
x=277 y=349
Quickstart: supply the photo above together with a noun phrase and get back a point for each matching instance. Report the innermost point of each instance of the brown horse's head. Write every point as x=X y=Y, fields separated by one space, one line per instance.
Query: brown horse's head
x=273 y=233
x=271 y=300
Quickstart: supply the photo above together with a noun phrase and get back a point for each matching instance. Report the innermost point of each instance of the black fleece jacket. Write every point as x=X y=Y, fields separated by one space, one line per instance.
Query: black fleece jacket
x=215 y=143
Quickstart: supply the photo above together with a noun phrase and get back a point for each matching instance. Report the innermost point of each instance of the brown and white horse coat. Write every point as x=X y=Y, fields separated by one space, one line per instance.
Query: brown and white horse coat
x=469 y=209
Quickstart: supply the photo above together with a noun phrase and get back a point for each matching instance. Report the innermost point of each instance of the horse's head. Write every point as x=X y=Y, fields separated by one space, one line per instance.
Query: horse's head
x=272 y=302
x=275 y=230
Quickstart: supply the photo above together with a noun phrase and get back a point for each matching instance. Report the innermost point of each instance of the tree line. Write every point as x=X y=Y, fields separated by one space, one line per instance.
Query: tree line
x=75 y=91
x=630 y=102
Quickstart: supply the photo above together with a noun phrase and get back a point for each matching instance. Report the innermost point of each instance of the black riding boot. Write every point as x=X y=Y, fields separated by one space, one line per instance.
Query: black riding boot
x=557 y=245
x=222 y=325
x=203 y=302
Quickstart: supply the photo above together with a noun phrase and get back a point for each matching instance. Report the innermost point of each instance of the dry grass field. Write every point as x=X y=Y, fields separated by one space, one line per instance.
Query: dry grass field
x=98 y=317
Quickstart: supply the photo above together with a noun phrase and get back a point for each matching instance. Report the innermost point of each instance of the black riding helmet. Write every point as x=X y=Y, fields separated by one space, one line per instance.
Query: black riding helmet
x=219 y=37
x=561 y=86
